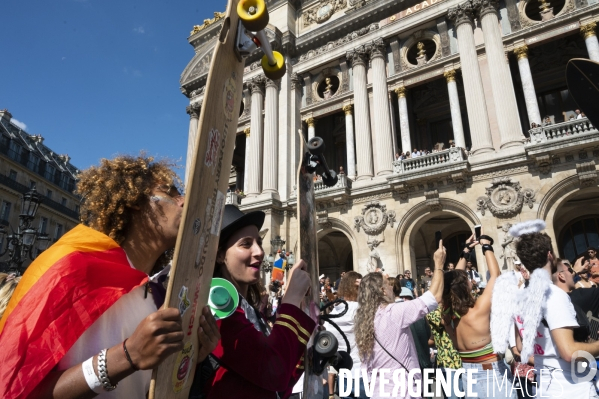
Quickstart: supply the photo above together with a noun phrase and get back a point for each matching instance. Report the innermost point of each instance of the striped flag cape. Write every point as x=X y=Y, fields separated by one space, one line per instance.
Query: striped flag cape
x=62 y=293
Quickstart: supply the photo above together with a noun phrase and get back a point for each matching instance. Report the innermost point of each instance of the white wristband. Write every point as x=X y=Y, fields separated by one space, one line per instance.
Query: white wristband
x=90 y=376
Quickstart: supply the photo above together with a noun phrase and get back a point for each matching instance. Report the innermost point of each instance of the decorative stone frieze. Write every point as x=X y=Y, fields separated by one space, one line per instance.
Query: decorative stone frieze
x=323 y=11
x=505 y=198
x=374 y=219
x=587 y=174
x=337 y=43
x=197 y=92
x=459 y=179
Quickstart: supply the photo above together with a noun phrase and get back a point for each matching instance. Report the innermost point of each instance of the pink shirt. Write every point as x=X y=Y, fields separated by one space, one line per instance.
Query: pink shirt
x=392 y=329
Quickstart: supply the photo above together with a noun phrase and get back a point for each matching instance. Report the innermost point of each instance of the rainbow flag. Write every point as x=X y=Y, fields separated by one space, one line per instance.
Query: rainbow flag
x=278 y=269
x=62 y=293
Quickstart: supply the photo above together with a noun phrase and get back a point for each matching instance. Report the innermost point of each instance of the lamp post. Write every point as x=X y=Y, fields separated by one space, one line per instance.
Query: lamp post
x=20 y=244
x=277 y=247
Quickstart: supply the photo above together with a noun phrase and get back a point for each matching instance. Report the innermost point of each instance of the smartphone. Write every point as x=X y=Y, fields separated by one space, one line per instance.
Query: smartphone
x=437 y=238
x=477 y=232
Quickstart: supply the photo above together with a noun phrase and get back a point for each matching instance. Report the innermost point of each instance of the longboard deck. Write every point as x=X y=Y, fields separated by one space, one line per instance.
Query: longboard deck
x=308 y=251
x=197 y=242
x=582 y=76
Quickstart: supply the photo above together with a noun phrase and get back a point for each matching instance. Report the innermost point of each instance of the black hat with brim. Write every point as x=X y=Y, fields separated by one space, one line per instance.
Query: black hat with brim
x=234 y=219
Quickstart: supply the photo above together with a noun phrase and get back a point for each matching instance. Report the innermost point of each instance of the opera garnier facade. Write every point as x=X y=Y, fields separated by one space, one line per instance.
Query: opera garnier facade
x=437 y=115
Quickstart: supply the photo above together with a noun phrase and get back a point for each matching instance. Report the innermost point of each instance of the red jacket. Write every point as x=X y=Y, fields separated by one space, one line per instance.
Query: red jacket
x=256 y=366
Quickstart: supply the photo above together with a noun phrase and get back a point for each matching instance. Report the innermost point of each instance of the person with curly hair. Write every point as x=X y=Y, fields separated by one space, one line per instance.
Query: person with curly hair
x=382 y=326
x=8 y=283
x=467 y=322
x=81 y=321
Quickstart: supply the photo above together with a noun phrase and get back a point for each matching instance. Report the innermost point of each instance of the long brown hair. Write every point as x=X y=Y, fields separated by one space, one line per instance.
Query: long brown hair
x=457 y=296
x=347 y=286
x=370 y=298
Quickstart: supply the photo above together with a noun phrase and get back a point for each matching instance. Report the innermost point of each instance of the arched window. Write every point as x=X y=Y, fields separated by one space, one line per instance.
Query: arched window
x=578 y=236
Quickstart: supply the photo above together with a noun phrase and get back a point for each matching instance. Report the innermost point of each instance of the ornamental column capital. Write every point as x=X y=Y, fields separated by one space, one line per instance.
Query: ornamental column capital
x=348 y=109
x=256 y=84
x=295 y=81
x=357 y=56
x=193 y=110
x=450 y=75
x=588 y=30
x=521 y=52
x=311 y=122
x=377 y=48
x=484 y=7
x=461 y=14
x=247 y=132
x=401 y=91
x=272 y=83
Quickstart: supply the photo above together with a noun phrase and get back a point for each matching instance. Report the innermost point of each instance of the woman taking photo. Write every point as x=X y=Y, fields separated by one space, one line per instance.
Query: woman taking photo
x=382 y=327
x=254 y=361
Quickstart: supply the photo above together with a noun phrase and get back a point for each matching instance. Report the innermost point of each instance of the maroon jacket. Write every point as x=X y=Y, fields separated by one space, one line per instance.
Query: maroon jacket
x=256 y=366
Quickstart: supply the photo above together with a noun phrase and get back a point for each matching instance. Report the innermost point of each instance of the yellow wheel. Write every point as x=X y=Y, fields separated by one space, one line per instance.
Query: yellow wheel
x=277 y=71
x=253 y=14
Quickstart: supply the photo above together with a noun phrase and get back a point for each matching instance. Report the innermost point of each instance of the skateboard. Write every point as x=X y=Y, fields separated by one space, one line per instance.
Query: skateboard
x=582 y=76
x=311 y=161
x=195 y=252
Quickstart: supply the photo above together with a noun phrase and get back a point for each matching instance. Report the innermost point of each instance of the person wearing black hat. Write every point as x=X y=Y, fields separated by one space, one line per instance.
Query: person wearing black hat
x=255 y=361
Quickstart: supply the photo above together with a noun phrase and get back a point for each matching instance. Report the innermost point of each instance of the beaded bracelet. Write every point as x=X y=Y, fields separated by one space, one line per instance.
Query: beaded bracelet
x=103 y=371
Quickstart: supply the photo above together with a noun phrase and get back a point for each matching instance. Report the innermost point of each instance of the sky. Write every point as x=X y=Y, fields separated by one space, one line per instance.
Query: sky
x=98 y=78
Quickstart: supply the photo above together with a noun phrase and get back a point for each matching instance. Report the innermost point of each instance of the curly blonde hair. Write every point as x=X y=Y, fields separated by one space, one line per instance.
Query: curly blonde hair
x=7 y=287
x=110 y=190
x=370 y=298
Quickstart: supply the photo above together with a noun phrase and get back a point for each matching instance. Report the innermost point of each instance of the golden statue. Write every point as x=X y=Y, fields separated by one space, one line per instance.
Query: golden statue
x=329 y=85
x=207 y=22
x=421 y=50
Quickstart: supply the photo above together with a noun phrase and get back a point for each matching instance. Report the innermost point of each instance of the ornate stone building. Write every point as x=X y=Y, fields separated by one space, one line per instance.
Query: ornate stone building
x=26 y=162
x=374 y=78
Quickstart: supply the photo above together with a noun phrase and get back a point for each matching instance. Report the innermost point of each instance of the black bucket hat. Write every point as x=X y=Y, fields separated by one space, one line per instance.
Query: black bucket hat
x=234 y=219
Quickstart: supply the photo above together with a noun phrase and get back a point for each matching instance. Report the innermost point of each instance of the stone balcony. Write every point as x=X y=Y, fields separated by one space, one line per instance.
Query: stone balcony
x=233 y=199
x=548 y=142
x=450 y=160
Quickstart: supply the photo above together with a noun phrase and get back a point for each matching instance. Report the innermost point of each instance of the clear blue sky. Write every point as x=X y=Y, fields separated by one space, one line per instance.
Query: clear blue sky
x=100 y=77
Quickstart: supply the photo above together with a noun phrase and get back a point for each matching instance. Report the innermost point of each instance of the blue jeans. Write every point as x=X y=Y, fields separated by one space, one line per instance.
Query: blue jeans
x=494 y=383
x=353 y=393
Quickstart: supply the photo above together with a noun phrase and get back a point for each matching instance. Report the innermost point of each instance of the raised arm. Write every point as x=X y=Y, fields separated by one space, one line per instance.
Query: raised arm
x=437 y=281
x=483 y=303
x=467 y=250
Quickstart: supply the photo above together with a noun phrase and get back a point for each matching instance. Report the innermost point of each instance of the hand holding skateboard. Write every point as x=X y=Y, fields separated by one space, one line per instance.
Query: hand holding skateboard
x=299 y=284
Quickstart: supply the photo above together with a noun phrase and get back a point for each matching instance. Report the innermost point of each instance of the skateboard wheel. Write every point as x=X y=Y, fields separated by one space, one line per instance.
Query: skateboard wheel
x=326 y=344
x=277 y=71
x=253 y=14
x=316 y=146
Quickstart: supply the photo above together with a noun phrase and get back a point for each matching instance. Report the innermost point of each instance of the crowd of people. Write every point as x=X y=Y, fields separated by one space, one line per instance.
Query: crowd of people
x=415 y=153
x=86 y=318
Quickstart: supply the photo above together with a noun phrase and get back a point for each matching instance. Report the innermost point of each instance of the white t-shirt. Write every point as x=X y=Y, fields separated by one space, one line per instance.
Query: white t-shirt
x=346 y=324
x=116 y=324
x=558 y=313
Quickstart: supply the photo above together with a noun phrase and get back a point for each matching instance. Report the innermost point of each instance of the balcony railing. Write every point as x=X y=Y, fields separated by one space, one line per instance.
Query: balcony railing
x=450 y=155
x=233 y=199
x=561 y=130
x=342 y=182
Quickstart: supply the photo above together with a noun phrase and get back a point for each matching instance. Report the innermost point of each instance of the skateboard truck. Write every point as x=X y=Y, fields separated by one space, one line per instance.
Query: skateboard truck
x=253 y=19
x=314 y=161
x=326 y=345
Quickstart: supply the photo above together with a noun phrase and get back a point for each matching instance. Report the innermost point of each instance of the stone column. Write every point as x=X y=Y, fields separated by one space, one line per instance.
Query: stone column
x=478 y=118
x=349 y=141
x=271 y=138
x=248 y=155
x=404 y=121
x=311 y=122
x=256 y=123
x=193 y=110
x=528 y=86
x=357 y=58
x=382 y=118
x=590 y=38
x=456 y=113
x=296 y=124
x=504 y=96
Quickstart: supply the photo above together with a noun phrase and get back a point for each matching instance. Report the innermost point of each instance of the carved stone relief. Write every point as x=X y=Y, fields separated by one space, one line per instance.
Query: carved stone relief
x=323 y=11
x=505 y=198
x=373 y=221
x=432 y=200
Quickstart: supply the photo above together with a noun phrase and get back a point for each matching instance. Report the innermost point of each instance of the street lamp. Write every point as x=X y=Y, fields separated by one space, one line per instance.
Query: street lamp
x=20 y=244
x=277 y=244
